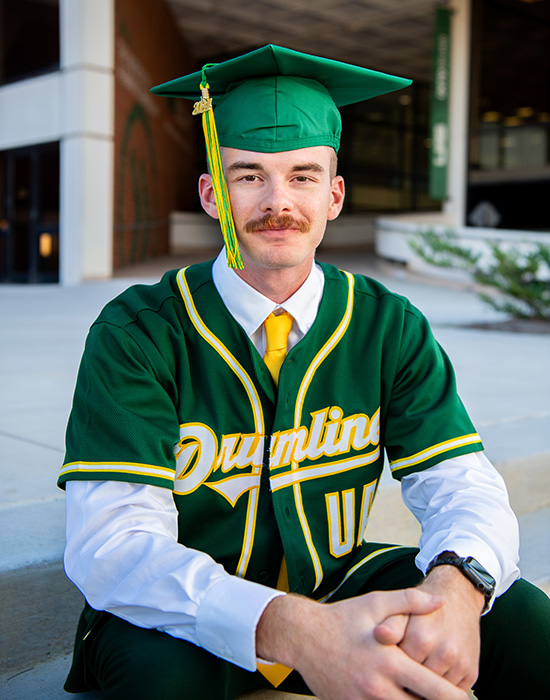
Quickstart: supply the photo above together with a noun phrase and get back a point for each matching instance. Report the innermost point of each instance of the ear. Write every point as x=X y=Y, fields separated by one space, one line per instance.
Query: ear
x=206 y=193
x=337 y=194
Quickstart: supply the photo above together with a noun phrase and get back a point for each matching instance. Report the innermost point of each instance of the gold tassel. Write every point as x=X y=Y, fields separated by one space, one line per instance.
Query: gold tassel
x=221 y=194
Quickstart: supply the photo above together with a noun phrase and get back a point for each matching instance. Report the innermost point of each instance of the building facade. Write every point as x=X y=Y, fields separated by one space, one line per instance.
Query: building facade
x=92 y=166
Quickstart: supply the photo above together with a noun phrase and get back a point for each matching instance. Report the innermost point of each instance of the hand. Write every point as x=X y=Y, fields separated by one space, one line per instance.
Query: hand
x=334 y=648
x=447 y=640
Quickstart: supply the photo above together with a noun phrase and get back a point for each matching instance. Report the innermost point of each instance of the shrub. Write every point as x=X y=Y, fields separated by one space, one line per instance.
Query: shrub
x=520 y=278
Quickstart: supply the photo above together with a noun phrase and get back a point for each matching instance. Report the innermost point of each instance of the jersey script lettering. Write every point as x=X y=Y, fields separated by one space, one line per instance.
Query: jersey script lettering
x=200 y=456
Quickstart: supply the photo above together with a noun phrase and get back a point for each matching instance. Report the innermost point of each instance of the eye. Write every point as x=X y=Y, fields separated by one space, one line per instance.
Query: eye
x=302 y=178
x=249 y=178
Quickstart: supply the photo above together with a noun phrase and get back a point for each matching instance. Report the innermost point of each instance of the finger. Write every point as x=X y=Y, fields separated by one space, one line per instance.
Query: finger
x=408 y=601
x=462 y=676
x=422 y=682
x=440 y=655
x=453 y=671
x=392 y=630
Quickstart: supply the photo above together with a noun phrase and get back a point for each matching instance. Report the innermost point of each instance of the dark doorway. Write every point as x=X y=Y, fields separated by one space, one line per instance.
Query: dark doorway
x=29 y=214
x=29 y=38
x=509 y=158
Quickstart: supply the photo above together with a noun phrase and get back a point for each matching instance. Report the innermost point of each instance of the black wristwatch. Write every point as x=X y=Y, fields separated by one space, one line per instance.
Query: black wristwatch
x=473 y=571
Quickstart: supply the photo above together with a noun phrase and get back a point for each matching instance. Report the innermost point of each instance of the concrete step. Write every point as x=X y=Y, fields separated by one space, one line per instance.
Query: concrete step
x=41 y=607
x=44 y=682
x=40 y=681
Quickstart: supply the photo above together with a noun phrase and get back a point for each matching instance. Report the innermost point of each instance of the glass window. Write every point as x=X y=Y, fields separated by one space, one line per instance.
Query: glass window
x=29 y=214
x=29 y=38
x=384 y=155
x=509 y=153
x=510 y=98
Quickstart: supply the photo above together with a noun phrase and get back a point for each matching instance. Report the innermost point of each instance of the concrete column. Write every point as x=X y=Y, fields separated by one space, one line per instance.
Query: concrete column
x=455 y=206
x=87 y=97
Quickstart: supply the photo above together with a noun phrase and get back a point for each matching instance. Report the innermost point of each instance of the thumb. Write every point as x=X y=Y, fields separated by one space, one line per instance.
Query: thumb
x=392 y=630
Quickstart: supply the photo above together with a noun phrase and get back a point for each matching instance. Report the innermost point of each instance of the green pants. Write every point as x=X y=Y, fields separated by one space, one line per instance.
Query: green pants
x=130 y=663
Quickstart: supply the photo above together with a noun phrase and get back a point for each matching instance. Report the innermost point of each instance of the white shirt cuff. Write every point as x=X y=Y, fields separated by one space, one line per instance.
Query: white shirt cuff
x=227 y=618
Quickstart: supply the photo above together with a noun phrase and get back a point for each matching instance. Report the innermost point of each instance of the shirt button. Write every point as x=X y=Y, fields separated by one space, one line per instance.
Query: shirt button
x=263 y=576
x=287 y=511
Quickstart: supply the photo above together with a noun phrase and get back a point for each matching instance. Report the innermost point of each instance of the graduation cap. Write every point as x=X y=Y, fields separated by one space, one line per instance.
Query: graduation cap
x=271 y=100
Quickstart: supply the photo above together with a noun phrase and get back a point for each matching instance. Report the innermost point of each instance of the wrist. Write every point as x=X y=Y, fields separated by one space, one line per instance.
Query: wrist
x=470 y=569
x=279 y=630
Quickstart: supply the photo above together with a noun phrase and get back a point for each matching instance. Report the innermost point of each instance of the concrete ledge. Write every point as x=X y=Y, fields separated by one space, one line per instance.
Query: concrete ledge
x=528 y=482
x=195 y=230
x=393 y=235
x=41 y=606
x=40 y=609
x=44 y=681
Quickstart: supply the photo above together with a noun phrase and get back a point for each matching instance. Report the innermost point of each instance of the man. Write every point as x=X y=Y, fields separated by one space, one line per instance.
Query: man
x=207 y=474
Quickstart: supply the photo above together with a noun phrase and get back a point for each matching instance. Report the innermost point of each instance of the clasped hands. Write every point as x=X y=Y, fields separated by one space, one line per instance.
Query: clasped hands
x=389 y=645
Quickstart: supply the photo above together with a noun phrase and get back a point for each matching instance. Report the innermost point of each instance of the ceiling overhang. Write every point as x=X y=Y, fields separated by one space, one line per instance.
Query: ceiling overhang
x=392 y=36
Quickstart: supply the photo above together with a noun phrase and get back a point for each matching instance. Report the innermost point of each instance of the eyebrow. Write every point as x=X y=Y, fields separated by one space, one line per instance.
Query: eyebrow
x=310 y=167
x=243 y=165
x=300 y=167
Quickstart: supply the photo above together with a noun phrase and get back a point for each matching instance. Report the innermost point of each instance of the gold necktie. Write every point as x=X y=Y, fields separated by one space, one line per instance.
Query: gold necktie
x=277 y=329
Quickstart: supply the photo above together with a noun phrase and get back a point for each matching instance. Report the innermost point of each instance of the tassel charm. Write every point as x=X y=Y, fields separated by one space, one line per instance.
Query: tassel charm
x=205 y=103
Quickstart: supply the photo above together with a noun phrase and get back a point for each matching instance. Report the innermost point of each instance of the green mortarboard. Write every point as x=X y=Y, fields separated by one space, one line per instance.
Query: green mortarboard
x=275 y=99
x=272 y=100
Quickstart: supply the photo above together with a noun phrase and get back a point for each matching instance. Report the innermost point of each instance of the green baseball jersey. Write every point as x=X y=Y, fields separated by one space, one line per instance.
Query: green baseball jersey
x=171 y=392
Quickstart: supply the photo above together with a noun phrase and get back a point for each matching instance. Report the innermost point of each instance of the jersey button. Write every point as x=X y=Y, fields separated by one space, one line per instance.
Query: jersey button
x=263 y=576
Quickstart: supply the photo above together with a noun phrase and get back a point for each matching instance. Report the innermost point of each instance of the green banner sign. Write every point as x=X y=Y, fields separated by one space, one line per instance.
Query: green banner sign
x=439 y=132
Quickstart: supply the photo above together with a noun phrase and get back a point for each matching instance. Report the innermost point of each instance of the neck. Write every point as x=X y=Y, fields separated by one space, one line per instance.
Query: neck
x=276 y=284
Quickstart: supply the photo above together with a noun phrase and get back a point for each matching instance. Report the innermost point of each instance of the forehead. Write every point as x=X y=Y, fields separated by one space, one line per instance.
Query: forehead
x=287 y=160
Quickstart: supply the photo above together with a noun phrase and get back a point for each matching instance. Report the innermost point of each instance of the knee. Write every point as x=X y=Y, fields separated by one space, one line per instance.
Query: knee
x=515 y=645
x=526 y=609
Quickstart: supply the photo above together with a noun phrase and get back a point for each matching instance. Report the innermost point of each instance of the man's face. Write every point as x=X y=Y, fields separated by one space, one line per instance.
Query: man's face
x=280 y=202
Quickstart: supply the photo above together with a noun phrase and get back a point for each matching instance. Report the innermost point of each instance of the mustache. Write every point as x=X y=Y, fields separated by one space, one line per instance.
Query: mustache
x=269 y=222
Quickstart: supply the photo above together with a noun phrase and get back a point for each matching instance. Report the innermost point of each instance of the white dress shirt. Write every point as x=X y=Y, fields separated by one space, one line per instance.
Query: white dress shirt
x=250 y=308
x=122 y=550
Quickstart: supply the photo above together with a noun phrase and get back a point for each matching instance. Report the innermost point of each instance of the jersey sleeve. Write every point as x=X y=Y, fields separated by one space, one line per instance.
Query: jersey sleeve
x=123 y=423
x=426 y=420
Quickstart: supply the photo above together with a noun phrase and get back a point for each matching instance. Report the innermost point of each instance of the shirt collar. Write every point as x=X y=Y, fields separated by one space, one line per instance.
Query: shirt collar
x=250 y=308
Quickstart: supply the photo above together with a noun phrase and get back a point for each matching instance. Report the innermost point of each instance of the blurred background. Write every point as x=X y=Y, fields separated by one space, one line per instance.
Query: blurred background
x=97 y=175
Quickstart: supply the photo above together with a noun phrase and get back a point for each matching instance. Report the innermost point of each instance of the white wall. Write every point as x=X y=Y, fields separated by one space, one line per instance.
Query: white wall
x=87 y=157
x=31 y=112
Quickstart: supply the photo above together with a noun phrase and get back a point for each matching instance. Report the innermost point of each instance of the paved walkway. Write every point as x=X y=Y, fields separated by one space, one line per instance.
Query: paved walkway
x=503 y=377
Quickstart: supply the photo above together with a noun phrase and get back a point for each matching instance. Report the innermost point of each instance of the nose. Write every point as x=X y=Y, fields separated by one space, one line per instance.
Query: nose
x=276 y=198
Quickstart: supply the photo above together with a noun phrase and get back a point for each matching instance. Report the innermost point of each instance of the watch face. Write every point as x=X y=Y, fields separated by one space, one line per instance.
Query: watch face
x=472 y=569
x=481 y=574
